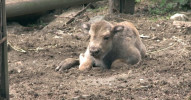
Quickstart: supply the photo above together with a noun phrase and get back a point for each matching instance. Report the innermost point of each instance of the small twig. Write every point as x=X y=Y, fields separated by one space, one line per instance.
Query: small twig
x=3 y=40
x=144 y=36
x=17 y=48
x=79 y=13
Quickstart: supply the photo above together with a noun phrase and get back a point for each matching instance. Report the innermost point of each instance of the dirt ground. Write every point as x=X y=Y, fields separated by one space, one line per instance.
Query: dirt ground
x=37 y=49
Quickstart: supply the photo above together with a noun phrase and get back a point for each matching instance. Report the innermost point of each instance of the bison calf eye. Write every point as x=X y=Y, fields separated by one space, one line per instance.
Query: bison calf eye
x=106 y=38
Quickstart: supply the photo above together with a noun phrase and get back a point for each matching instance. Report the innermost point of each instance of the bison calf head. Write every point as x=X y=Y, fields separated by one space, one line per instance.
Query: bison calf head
x=101 y=36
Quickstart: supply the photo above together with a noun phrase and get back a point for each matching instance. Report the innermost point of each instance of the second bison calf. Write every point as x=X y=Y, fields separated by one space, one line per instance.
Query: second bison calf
x=110 y=42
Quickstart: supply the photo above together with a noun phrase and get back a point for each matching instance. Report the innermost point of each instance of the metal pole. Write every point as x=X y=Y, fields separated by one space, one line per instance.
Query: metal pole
x=4 y=85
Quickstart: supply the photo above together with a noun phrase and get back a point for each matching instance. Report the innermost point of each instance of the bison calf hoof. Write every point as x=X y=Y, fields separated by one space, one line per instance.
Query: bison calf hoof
x=67 y=64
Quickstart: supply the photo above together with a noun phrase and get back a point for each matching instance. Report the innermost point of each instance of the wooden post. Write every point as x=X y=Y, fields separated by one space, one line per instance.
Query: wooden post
x=4 y=85
x=121 y=6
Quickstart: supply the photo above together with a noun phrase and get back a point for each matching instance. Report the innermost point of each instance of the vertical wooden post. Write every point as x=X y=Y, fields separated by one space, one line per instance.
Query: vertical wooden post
x=122 y=6
x=4 y=85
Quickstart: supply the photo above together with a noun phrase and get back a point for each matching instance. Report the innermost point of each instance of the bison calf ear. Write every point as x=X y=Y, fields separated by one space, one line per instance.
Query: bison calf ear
x=117 y=28
x=86 y=27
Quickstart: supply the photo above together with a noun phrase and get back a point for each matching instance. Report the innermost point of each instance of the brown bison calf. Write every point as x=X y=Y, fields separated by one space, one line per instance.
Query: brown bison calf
x=110 y=42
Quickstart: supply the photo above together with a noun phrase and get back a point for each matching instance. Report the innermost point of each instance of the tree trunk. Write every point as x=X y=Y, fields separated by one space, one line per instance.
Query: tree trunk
x=121 y=6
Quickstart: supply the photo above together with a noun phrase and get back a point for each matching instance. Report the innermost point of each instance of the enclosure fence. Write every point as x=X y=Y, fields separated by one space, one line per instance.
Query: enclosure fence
x=4 y=86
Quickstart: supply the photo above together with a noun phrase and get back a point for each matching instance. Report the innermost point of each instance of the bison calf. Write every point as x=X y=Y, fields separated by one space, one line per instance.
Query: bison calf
x=110 y=42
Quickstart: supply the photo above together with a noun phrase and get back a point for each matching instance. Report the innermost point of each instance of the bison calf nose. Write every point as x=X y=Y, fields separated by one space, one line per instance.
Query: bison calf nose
x=94 y=51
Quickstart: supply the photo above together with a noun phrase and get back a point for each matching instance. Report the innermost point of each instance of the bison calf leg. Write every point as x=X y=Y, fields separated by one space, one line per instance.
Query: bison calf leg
x=135 y=56
x=133 y=60
x=85 y=62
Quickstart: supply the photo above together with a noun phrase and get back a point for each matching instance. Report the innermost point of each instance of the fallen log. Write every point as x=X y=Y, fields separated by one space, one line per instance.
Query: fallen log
x=16 y=8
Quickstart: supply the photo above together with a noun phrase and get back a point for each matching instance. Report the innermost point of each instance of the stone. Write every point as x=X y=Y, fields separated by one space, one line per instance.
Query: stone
x=179 y=17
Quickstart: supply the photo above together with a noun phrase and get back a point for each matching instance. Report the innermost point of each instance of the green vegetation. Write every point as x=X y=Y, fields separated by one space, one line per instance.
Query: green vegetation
x=156 y=18
x=97 y=9
x=137 y=1
x=168 y=6
x=37 y=23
